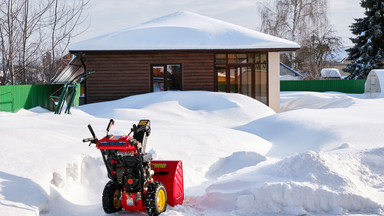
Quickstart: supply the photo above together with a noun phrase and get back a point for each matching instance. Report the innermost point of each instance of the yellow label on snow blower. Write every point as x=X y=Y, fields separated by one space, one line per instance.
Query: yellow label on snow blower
x=159 y=165
x=143 y=122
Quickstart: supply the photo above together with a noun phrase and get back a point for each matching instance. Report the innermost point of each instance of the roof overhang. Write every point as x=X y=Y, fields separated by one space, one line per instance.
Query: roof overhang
x=185 y=50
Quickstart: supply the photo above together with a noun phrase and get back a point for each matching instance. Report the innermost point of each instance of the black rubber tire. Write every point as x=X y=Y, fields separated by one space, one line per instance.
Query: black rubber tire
x=156 y=199
x=111 y=198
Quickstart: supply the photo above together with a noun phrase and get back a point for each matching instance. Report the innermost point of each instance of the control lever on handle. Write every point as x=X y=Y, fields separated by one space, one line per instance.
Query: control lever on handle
x=91 y=140
x=111 y=122
x=88 y=140
x=92 y=132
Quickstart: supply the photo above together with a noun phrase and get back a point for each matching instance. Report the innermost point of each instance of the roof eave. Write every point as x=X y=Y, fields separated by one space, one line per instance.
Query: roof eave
x=189 y=50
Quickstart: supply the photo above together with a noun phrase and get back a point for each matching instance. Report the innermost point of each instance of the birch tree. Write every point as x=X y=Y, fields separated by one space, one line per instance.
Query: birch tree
x=305 y=22
x=293 y=19
x=9 y=10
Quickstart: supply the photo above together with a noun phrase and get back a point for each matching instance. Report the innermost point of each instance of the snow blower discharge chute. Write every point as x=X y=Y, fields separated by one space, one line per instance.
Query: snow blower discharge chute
x=137 y=183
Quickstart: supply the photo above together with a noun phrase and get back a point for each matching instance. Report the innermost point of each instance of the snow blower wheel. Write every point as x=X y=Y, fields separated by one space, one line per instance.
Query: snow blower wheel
x=111 y=198
x=137 y=183
x=156 y=201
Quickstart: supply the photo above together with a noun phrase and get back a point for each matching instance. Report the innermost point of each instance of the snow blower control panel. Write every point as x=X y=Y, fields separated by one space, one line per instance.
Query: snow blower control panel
x=118 y=143
x=126 y=143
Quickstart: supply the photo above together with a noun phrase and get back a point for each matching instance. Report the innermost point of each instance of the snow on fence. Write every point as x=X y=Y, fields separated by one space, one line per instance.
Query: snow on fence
x=345 y=86
x=16 y=97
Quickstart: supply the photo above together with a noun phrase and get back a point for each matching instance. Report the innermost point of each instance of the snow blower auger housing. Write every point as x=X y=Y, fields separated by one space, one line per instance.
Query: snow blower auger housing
x=137 y=183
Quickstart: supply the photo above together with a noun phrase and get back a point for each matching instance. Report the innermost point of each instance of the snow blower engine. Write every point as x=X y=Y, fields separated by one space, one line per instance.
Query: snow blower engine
x=137 y=183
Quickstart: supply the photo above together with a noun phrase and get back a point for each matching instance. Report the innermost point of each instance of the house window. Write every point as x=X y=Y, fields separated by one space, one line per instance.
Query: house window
x=244 y=73
x=221 y=71
x=166 y=77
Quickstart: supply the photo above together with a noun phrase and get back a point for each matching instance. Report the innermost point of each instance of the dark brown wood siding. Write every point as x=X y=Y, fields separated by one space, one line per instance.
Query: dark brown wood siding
x=119 y=75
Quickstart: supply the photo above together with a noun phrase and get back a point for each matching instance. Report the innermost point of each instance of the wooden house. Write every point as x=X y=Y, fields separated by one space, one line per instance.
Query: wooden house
x=182 y=51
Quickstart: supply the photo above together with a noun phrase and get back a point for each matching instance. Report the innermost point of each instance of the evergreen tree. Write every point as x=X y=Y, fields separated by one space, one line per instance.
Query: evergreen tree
x=368 y=51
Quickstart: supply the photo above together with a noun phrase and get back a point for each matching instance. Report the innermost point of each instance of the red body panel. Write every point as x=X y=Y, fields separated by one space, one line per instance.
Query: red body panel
x=170 y=173
x=133 y=202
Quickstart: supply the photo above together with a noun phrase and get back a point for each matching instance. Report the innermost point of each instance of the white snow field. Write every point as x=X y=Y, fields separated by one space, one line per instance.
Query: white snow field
x=323 y=154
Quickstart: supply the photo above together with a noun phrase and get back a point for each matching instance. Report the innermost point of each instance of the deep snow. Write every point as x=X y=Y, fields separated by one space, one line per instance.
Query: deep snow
x=322 y=155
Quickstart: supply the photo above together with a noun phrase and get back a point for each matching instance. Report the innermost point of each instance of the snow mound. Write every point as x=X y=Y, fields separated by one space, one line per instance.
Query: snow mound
x=307 y=183
x=293 y=198
x=318 y=101
x=39 y=110
x=374 y=160
x=315 y=167
x=21 y=196
x=82 y=181
x=228 y=110
x=235 y=161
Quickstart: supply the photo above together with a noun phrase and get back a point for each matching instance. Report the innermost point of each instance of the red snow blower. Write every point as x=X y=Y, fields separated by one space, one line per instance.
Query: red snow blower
x=137 y=183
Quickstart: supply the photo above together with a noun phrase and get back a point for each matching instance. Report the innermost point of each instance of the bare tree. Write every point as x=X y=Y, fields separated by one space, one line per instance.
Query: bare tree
x=293 y=19
x=34 y=31
x=3 y=53
x=30 y=21
x=317 y=52
x=305 y=22
x=10 y=35
x=65 y=18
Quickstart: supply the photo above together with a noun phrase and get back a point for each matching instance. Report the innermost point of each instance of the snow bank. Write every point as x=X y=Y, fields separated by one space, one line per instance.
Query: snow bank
x=307 y=183
x=318 y=101
x=212 y=108
x=323 y=155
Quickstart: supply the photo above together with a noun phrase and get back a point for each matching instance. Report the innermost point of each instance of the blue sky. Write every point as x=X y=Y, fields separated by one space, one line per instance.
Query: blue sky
x=112 y=15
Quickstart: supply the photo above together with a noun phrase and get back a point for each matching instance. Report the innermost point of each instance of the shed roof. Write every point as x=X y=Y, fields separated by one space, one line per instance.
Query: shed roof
x=73 y=69
x=183 y=31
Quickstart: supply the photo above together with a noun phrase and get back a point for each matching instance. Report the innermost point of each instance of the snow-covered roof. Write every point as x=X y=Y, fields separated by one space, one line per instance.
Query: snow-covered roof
x=293 y=72
x=183 y=31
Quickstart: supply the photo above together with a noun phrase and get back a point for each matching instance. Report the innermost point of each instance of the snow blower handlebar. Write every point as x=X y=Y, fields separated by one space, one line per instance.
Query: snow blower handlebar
x=94 y=139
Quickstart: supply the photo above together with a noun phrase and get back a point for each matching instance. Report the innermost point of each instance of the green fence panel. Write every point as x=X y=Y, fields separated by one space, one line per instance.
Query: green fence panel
x=345 y=86
x=16 y=97
x=76 y=102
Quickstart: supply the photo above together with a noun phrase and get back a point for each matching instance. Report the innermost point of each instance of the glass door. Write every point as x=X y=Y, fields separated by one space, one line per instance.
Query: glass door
x=246 y=81
x=241 y=80
x=234 y=79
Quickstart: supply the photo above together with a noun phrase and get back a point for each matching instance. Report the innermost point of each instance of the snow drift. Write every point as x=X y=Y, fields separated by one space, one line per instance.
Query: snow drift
x=323 y=155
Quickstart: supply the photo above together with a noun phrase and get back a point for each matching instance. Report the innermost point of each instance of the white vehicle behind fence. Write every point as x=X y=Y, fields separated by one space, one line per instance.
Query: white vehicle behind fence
x=330 y=73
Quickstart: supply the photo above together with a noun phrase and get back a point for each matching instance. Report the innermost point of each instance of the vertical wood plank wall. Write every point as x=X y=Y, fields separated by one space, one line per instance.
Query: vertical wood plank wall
x=119 y=75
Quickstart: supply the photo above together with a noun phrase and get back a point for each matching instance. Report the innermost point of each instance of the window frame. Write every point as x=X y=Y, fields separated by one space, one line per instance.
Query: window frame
x=166 y=85
x=251 y=64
